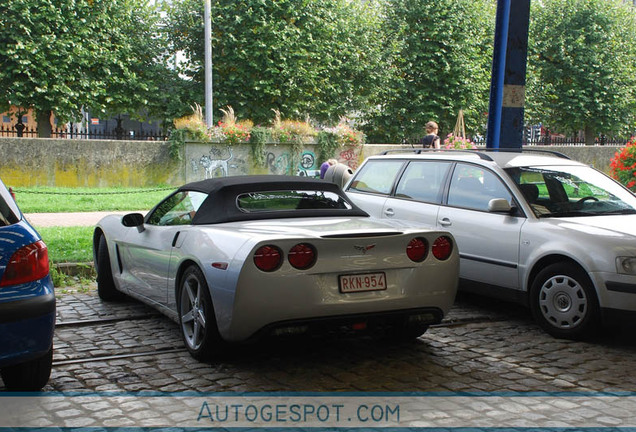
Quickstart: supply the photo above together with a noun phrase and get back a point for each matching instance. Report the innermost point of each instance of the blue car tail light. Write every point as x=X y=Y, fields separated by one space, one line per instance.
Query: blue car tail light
x=27 y=264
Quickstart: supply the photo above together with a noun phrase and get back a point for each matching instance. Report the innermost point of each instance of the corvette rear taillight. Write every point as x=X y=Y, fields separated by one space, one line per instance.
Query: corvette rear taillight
x=417 y=249
x=27 y=264
x=302 y=256
x=268 y=258
x=442 y=248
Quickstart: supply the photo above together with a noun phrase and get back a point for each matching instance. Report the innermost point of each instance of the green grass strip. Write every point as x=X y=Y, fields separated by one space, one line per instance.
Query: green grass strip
x=68 y=244
x=63 y=200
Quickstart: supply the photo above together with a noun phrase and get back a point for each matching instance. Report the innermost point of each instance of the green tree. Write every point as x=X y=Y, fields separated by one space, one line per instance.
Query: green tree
x=582 y=66
x=439 y=54
x=301 y=57
x=61 y=55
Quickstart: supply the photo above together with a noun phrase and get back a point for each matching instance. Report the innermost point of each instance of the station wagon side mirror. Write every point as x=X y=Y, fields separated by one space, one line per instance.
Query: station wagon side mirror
x=133 y=220
x=499 y=205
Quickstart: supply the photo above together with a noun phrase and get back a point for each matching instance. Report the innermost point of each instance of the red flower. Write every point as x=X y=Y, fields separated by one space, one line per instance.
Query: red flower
x=623 y=165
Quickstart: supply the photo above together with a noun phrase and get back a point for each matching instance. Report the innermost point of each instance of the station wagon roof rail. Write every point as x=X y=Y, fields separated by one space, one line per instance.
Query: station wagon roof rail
x=526 y=150
x=430 y=150
x=481 y=153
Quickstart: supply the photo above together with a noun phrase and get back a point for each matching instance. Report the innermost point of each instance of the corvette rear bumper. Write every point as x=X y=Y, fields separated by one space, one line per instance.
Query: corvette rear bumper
x=317 y=299
x=369 y=322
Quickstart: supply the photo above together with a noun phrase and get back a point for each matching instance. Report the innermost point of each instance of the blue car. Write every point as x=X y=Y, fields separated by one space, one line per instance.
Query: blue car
x=27 y=302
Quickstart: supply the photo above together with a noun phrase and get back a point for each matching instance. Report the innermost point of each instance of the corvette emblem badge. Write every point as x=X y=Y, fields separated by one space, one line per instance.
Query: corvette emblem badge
x=363 y=249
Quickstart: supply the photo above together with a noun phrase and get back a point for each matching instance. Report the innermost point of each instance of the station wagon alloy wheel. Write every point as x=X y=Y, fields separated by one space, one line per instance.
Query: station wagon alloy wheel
x=563 y=301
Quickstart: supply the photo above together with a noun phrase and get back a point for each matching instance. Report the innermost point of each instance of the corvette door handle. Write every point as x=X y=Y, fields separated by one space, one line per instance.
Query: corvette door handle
x=389 y=212
x=445 y=222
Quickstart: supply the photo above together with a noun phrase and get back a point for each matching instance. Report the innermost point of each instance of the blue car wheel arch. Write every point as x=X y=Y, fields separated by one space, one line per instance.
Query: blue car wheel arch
x=27 y=299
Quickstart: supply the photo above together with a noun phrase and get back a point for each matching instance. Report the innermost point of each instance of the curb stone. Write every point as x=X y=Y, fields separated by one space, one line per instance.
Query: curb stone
x=76 y=269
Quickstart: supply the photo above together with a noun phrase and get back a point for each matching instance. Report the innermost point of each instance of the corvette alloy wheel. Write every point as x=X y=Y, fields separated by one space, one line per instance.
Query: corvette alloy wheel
x=196 y=315
x=192 y=312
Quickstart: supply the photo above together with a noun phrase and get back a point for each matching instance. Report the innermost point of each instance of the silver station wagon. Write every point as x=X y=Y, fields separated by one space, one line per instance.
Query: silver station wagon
x=533 y=227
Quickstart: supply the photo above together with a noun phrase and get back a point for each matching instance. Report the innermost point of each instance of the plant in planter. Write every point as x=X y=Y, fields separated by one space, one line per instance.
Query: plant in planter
x=348 y=136
x=188 y=128
x=457 y=142
x=258 y=138
x=230 y=131
x=294 y=132
x=623 y=165
x=327 y=141
x=340 y=136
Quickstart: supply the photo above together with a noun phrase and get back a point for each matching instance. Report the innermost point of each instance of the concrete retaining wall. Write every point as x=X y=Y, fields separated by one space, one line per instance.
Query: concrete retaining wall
x=100 y=163
x=91 y=163
x=597 y=156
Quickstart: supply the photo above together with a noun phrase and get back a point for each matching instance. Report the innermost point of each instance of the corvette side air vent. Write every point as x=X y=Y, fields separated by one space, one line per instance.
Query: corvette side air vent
x=363 y=235
x=119 y=264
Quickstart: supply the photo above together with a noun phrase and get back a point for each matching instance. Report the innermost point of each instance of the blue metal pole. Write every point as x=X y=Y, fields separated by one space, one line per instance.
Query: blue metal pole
x=498 y=72
x=514 y=86
x=507 y=88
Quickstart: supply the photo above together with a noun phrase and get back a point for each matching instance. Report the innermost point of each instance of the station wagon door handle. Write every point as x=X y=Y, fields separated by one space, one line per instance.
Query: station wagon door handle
x=389 y=212
x=445 y=222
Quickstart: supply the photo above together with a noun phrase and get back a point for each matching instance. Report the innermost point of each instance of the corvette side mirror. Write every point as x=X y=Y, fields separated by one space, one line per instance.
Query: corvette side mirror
x=133 y=220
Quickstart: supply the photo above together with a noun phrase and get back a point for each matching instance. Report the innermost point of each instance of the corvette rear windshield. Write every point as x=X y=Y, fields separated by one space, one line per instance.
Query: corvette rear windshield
x=286 y=200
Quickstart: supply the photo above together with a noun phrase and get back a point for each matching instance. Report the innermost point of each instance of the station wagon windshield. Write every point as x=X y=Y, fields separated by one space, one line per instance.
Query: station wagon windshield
x=285 y=200
x=570 y=191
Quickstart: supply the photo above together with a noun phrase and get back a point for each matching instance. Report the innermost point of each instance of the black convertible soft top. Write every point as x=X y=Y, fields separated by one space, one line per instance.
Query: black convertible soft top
x=220 y=205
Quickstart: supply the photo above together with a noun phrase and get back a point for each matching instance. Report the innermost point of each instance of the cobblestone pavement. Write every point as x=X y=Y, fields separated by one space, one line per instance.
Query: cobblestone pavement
x=489 y=346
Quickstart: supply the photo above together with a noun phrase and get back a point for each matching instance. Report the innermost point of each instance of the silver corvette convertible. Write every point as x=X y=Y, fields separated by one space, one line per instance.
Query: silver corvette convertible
x=234 y=258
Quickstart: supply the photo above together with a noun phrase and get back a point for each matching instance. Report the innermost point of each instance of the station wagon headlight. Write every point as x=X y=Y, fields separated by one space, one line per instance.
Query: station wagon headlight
x=626 y=265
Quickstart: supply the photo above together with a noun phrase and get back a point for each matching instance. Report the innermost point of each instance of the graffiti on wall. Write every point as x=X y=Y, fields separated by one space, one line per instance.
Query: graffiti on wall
x=215 y=163
x=212 y=165
x=281 y=164
x=209 y=161
x=350 y=158
x=307 y=166
x=278 y=164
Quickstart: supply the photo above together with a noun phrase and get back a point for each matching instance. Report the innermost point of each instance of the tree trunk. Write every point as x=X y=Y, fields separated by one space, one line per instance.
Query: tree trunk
x=44 y=124
x=589 y=135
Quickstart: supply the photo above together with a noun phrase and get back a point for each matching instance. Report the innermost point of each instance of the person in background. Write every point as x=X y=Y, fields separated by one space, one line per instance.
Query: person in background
x=431 y=140
x=325 y=166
